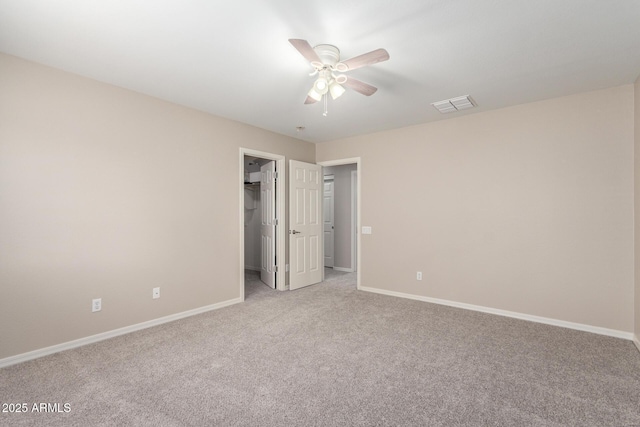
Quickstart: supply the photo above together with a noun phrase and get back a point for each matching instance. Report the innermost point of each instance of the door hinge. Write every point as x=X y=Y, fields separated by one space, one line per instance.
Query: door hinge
x=276 y=270
x=275 y=176
x=275 y=221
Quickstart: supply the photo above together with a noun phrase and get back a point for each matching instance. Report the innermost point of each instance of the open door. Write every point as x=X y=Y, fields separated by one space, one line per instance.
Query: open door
x=268 y=223
x=305 y=224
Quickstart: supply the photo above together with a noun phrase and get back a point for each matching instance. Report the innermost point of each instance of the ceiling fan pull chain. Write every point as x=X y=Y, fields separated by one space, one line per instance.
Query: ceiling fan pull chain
x=326 y=99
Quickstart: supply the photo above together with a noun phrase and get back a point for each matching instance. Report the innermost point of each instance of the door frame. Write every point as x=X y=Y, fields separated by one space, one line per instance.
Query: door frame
x=280 y=215
x=358 y=162
x=354 y=219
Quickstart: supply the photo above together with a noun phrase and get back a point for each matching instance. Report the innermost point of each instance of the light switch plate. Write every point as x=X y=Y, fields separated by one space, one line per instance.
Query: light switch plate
x=366 y=230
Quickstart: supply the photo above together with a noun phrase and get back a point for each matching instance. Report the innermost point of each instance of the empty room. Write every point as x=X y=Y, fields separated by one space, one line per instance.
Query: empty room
x=337 y=213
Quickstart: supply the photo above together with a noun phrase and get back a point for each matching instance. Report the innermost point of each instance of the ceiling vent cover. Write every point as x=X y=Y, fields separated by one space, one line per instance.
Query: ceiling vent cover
x=454 y=104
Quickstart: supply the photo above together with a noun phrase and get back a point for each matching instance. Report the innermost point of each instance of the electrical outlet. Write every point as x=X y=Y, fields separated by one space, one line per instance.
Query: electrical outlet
x=96 y=305
x=419 y=275
x=156 y=293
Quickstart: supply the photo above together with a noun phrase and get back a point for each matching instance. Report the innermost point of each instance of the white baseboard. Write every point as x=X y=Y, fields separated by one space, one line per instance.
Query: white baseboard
x=548 y=321
x=636 y=341
x=12 y=360
x=346 y=270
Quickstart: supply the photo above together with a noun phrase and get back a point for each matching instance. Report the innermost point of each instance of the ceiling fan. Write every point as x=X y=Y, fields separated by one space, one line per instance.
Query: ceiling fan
x=325 y=59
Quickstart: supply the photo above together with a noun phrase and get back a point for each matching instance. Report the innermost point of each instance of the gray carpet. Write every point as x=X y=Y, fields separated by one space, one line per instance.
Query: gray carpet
x=329 y=355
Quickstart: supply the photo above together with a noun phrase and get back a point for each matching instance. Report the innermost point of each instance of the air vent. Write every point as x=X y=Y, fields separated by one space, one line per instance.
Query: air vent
x=454 y=104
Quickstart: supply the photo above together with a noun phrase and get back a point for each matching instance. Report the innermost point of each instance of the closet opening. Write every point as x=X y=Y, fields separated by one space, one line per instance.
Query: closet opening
x=262 y=222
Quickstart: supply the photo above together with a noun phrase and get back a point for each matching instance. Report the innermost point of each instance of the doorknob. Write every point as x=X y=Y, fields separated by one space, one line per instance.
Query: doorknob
x=294 y=232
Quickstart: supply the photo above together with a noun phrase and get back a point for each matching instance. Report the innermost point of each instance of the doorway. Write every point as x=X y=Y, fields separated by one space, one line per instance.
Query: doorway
x=311 y=219
x=283 y=223
x=262 y=218
x=338 y=224
x=342 y=216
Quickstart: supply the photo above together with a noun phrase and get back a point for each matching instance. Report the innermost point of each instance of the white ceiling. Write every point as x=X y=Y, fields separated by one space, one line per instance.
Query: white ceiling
x=232 y=58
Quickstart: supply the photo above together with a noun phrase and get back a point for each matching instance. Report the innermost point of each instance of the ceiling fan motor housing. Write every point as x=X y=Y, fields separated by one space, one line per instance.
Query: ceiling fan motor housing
x=329 y=54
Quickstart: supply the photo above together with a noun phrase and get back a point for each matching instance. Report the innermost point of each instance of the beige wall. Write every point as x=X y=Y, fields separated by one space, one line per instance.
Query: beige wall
x=108 y=193
x=527 y=209
x=637 y=211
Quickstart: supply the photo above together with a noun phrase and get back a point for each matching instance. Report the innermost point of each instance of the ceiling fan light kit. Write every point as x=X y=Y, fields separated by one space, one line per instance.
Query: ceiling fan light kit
x=315 y=96
x=336 y=90
x=325 y=59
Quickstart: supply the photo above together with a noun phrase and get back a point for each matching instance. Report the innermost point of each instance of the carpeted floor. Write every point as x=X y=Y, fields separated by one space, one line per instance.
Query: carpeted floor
x=329 y=355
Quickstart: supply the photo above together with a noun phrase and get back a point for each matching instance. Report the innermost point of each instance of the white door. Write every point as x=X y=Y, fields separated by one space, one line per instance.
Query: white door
x=268 y=224
x=305 y=224
x=329 y=229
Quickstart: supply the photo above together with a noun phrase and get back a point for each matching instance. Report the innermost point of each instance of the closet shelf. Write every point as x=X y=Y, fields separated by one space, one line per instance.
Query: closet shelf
x=251 y=196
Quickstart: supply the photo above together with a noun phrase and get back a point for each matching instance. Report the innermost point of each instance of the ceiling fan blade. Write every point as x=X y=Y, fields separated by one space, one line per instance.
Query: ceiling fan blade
x=373 y=57
x=305 y=50
x=362 y=87
x=309 y=100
